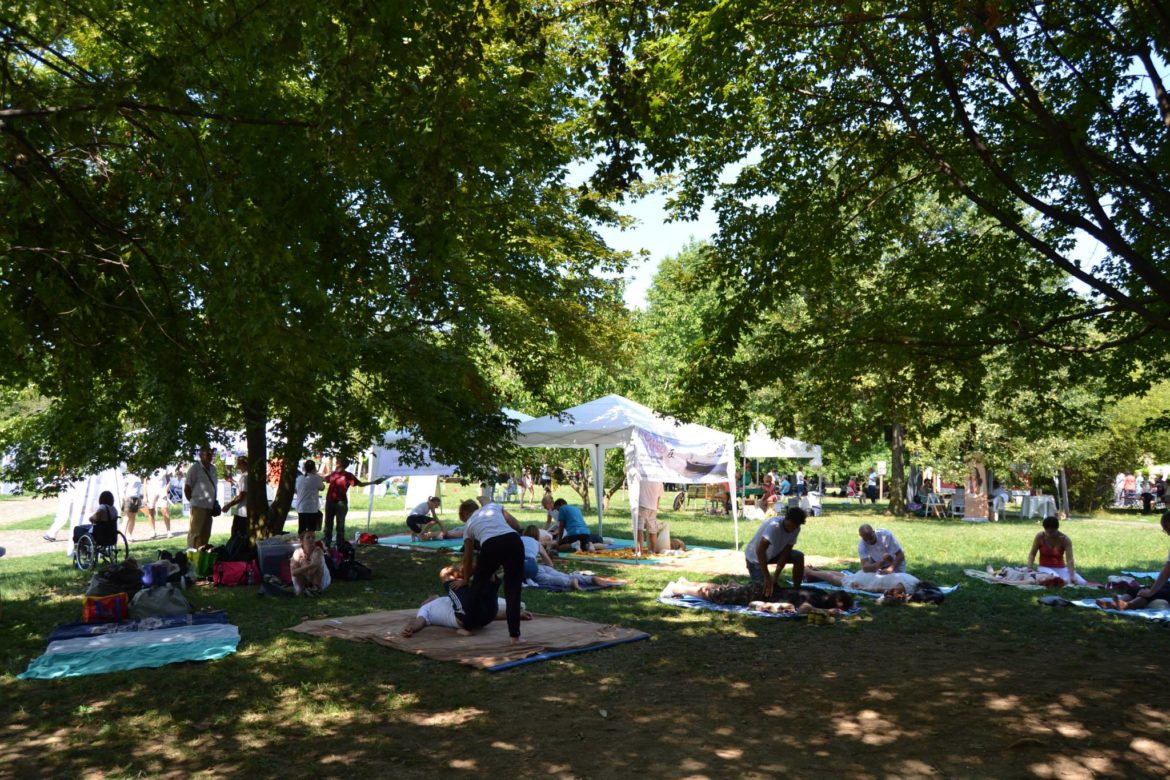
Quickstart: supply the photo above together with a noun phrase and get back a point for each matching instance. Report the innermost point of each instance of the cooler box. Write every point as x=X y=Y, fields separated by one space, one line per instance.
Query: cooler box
x=274 y=559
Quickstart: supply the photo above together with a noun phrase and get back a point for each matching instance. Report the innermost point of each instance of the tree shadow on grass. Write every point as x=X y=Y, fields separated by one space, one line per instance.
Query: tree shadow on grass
x=987 y=685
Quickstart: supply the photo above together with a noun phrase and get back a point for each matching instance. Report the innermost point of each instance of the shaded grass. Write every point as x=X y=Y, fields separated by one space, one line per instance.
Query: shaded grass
x=286 y=699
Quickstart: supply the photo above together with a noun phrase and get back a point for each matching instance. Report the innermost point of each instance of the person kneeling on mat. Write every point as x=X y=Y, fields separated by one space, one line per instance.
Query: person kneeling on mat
x=462 y=607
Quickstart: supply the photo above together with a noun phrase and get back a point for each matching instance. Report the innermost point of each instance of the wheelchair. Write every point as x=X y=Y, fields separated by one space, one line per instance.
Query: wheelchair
x=98 y=542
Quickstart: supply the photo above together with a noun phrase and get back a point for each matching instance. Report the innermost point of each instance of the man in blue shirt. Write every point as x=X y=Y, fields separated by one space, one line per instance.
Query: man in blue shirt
x=571 y=525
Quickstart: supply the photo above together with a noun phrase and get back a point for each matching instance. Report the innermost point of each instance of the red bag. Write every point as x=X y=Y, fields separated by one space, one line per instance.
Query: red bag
x=367 y=538
x=233 y=574
x=286 y=571
x=106 y=609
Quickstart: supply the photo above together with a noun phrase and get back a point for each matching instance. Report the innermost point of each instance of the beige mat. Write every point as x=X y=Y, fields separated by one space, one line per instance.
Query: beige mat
x=543 y=637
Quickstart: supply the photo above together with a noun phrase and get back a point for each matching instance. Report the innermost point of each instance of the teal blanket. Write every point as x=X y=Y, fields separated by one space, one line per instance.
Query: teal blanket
x=136 y=650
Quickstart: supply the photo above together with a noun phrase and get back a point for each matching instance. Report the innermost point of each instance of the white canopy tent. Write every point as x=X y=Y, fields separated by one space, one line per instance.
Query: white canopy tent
x=657 y=448
x=760 y=444
x=387 y=461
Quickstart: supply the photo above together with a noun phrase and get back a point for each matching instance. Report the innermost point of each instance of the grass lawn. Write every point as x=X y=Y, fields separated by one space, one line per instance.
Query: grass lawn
x=989 y=684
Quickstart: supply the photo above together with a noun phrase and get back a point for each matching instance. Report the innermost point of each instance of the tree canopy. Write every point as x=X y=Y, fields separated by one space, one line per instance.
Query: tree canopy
x=324 y=214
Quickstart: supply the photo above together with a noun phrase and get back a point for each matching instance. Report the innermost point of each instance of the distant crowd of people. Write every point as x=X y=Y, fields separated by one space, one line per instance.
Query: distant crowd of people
x=1131 y=489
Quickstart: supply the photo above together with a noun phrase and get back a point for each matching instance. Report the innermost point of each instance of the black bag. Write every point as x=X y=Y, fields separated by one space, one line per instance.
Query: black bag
x=216 y=509
x=237 y=549
x=353 y=571
x=123 y=577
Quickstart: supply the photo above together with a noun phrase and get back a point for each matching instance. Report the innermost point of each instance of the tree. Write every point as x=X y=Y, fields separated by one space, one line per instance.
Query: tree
x=1053 y=120
x=321 y=214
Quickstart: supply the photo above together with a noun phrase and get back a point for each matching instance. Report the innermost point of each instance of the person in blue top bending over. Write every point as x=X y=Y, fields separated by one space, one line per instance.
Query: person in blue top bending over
x=571 y=525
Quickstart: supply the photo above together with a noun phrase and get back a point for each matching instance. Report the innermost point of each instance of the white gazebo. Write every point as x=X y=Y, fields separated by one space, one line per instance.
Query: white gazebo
x=657 y=447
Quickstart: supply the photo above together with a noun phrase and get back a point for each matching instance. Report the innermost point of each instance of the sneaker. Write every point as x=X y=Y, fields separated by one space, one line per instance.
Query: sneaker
x=48 y=538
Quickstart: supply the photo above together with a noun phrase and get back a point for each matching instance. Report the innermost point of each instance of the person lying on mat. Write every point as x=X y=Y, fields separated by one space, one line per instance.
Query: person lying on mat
x=446 y=533
x=896 y=588
x=864 y=580
x=773 y=544
x=802 y=600
x=310 y=576
x=538 y=566
x=423 y=518
x=462 y=607
x=880 y=551
x=498 y=535
x=571 y=526
x=1160 y=590
x=1056 y=553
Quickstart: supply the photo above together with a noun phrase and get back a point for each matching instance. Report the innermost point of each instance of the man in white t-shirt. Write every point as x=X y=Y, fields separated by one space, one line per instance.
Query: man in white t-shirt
x=308 y=498
x=774 y=543
x=880 y=551
x=240 y=501
x=649 y=494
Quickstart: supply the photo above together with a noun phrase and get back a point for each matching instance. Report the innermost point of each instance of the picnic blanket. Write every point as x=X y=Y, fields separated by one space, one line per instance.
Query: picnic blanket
x=1142 y=575
x=77 y=630
x=1158 y=615
x=995 y=579
x=403 y=542
x=694 y=602
x=544 y=637
x=992 y=579
x=133 y=648
x=560 y=589
x=946 y=589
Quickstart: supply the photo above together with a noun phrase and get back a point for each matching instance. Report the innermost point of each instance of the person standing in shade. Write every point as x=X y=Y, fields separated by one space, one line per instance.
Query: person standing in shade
x=132 y=491
x=498 y=535
x=158 y=501
x=649 y=494
x=199 y=488
x=240 y=500
x=871 y=486
x=773 y=544
x=308 y=489
x=337 y=499
x=879 y=551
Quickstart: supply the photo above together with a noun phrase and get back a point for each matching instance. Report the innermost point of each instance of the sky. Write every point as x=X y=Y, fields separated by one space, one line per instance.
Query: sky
x=658 y=238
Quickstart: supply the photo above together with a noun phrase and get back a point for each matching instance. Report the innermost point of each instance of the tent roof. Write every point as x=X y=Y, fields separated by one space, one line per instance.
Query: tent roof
x=760 y=445
x=608 y=421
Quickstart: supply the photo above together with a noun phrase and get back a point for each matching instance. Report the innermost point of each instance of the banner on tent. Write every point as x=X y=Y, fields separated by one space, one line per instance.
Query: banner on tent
x=663 y=459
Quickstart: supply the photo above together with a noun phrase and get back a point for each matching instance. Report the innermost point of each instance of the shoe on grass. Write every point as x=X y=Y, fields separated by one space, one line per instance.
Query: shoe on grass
x=48 y=538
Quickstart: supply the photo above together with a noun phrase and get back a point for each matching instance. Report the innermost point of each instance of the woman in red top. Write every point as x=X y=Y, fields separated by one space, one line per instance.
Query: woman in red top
x=1056 y=553
x=337 y=498
x=770 y=496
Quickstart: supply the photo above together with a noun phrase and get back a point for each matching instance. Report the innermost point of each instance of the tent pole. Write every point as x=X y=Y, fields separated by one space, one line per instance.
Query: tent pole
x=599 y=485
x=731 y=494
x=370 y=478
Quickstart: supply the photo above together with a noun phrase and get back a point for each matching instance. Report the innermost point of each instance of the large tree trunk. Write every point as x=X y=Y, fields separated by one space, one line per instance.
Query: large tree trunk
x=290 y=457
x=256 y=431
x=898 y=471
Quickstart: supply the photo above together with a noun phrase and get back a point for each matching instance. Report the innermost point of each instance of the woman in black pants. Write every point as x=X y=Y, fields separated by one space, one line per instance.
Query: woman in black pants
x=498 y=535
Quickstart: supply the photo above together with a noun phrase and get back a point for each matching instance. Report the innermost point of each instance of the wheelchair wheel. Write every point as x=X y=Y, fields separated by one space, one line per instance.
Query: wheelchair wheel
x=85 y=553
x=119 y=550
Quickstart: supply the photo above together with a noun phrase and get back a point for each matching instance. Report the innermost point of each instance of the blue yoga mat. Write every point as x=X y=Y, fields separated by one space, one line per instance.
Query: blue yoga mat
x=1156 y=615
x=550 y=654
x=694 y=602
x=947 y=589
